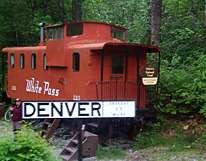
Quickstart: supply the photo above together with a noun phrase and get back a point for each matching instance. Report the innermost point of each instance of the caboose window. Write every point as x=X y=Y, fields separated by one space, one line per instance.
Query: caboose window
x=12 y=60
x=76 y=62
x=117 y=65
x=44 y=61
x=21 y=61
x=74 y=29
x=118 y=33
x=56 y=33
x=33 y=61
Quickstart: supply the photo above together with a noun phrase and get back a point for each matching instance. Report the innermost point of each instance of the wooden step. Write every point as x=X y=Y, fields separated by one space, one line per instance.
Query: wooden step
x=65 y=157
x=71 y=150
x=47 y=123
x=95 y=125
x=69 y=154
x=49 y=126
x=75 y=141
x=89 y=145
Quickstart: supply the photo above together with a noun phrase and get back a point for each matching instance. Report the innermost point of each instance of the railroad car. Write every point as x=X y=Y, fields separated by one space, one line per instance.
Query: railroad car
x=83 y=61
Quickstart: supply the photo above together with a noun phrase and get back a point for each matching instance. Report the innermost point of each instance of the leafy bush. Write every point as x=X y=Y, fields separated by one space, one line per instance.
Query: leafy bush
x=184 y=90
x=183 y=58
x=27 y=146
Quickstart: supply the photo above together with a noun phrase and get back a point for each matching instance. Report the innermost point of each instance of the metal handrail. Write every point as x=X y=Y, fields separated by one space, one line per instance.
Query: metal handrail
x=116 y=89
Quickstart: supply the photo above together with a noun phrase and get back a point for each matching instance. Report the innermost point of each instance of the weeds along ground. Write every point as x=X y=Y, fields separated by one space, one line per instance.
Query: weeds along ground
x=173 y=138
x=176 y=133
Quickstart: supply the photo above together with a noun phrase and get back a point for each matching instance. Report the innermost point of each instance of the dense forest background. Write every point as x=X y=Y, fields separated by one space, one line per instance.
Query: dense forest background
x=182 y=38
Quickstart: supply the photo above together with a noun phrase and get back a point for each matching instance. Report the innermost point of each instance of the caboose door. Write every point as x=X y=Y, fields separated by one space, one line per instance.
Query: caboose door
x=123 y=69
x=119 y=81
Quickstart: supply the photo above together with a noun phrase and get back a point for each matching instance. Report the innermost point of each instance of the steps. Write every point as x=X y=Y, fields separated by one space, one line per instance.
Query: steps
x=70 y=150
x=89 y=146
x=49 y=126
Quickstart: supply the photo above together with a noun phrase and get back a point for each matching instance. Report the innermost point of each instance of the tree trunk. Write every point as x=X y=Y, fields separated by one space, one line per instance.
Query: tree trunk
x=76 y=10
x=205 y=14
x=156 y=10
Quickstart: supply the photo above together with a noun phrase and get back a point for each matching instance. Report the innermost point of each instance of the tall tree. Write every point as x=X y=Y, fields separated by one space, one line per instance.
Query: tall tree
x=156 y=10
x=205 y=14
x=76 y=10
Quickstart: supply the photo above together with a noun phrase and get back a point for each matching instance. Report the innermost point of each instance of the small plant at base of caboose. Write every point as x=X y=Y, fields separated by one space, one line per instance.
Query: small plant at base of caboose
x=27 y=146
x=110 y=153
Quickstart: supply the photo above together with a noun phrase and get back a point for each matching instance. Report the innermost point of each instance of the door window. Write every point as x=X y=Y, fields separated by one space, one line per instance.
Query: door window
x=76 y=62
x=117 y=65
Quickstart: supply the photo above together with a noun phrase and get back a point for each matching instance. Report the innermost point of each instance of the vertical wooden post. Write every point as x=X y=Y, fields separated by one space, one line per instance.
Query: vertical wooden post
x=79 y=140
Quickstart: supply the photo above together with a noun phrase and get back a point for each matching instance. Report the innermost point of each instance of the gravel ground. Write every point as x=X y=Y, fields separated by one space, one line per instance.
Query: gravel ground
x=164 y=154
x=160 y=154
x=5 y=128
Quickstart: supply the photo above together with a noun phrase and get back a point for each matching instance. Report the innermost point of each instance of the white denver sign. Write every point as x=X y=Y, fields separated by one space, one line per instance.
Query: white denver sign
x=78 y=109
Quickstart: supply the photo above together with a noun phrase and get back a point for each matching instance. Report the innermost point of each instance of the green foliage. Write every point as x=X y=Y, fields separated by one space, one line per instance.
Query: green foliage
x=200 y=142
x=110 y=153
x=184 y=90
x=156 y=135
x=150 y=137
x=180 y=142
x=27 y=146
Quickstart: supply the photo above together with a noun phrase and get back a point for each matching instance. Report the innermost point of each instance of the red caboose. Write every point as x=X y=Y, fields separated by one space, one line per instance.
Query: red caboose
x=82 y=61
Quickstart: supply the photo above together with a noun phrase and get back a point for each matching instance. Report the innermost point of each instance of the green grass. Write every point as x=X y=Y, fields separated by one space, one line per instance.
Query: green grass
x=114 y=153
x=179 y=141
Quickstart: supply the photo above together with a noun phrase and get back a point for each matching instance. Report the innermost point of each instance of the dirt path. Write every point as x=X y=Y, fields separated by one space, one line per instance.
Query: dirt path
x=5 y=128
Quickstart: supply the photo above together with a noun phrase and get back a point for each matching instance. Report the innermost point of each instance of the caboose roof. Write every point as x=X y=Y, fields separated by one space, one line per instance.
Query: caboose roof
x=130 y=46
x=85 y=22
x=110 y=46
x=32 y=48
